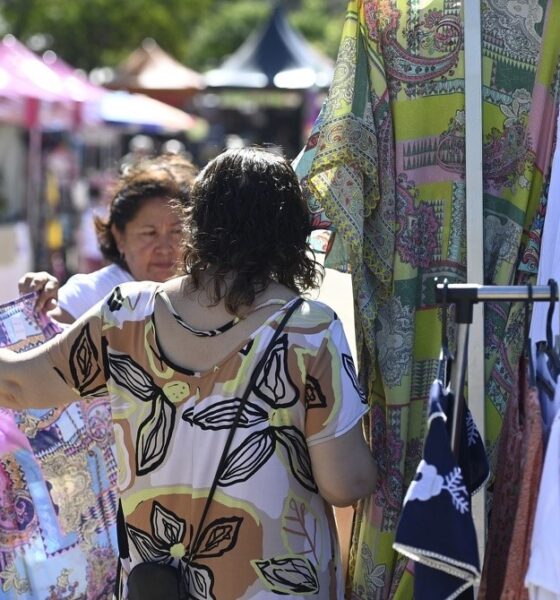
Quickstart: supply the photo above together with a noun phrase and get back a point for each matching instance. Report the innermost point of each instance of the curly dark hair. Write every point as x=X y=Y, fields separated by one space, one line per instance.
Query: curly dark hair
x=168 y=176
x=247 y=224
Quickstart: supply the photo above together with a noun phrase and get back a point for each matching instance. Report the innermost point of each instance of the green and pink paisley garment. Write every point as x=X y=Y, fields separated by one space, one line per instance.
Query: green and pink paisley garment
x=268 y=532
x=384 y=168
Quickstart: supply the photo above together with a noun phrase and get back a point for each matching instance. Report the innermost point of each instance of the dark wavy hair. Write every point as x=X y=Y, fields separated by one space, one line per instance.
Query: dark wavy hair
x=169 y=176
x=247 y=224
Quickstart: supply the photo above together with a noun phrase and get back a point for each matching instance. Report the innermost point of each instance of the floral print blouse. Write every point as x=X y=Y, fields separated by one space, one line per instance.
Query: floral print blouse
x=268 y=532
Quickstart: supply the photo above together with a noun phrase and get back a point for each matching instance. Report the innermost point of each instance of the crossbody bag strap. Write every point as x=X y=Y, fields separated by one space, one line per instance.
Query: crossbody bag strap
x=252 y=382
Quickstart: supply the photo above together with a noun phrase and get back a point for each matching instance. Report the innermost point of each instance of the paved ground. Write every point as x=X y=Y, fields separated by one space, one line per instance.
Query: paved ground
x=336 y=291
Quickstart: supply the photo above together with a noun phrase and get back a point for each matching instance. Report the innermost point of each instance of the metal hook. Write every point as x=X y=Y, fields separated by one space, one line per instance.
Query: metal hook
x=528 y=344
x=444 y=362
x=528 y=301
x=553 y=297
x=444 y=337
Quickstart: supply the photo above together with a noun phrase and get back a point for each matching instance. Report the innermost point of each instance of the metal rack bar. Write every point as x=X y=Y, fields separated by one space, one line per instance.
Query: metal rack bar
x=473 y=292
x=464 y=296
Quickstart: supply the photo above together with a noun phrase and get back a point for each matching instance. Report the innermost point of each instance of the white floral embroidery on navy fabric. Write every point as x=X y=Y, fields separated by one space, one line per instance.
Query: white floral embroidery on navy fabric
x=428 y=483
x=472 y=432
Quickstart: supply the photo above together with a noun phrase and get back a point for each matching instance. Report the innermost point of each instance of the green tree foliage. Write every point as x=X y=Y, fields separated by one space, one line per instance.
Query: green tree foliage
x=92 y=33
x=320 y=22
x=199 y=33
x=220 y=33
x=223 y=30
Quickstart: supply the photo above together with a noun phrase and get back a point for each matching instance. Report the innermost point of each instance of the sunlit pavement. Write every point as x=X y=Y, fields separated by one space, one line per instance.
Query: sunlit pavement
x=336 y=291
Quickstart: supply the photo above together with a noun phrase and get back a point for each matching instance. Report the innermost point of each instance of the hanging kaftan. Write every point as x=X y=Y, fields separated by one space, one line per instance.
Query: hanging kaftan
x=384 y=167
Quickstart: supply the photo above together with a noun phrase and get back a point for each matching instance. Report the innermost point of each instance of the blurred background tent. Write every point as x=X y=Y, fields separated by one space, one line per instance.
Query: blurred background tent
x=274 y=56
x=34 y=98
x=152 y=71
x=141 y=111
x=270 y=88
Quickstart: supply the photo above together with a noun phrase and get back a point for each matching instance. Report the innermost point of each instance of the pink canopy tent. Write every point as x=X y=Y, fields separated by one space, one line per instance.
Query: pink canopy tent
x=78 y=86
x=48 y=93
x=20 y=91
x=47 y=99
x=51 y=91
x=25 y=74
x=36 y=97
x=15 y=97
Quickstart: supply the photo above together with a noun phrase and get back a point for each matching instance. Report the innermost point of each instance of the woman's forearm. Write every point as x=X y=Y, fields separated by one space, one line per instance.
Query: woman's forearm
x=27 y=380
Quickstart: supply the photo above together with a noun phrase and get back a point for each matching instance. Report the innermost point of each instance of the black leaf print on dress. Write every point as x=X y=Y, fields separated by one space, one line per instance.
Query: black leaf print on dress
x=154 y=435
x=314 y=397
x=132 y=377
x=274 y=384
x=115 y=300
x=288 y=575
x=84 y=365
x=188 y=415
x=168 y=537
x=168 y=530
x=221 y=415
x=348 y=363
x=200 y=581
x=292 y=439
x=247 y=348
x=168 y=527
x=150 y=550
x=248 y=458
x=219 y=537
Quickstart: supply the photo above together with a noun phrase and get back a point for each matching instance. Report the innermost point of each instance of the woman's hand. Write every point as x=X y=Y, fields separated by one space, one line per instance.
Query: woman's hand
x=45 y=284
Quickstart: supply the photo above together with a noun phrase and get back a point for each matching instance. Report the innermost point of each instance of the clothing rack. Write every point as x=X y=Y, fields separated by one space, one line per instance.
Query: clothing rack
x=465 y=296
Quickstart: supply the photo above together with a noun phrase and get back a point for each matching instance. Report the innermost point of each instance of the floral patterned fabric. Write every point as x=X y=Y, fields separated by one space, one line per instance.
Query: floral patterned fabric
x=268 y=532
x=57 y=487
x=384 y=168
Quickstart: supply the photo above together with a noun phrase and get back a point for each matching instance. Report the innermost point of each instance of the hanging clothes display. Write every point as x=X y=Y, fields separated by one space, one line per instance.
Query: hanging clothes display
x=384 y=168
x=518 y=474
x=436 y=527
x=549 y=264
x=516 y=189
x=57 y=486
x=543 y=576
x=512 y=537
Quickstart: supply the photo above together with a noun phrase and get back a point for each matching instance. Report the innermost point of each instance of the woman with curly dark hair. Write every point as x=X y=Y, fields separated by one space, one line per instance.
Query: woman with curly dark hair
x=139 y=238
x=236 y=404
x=246 y=223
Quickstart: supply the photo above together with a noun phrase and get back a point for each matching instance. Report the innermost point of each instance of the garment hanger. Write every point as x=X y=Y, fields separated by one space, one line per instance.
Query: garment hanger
x=528 y=344
x=554 y=359
x=445 y=357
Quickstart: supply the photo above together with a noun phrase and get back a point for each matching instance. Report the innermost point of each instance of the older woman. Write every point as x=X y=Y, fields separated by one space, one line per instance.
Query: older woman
x=140 y=238
x=176 y=359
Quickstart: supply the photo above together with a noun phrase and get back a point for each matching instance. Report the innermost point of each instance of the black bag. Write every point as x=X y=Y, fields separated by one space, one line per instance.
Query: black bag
x=154 y=581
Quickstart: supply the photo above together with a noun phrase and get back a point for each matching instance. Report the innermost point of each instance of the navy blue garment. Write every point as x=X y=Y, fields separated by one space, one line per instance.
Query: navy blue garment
x=473 y=459
x=436 y=527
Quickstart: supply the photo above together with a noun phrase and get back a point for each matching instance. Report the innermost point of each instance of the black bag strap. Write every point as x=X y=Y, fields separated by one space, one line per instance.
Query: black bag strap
x=252 y=382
